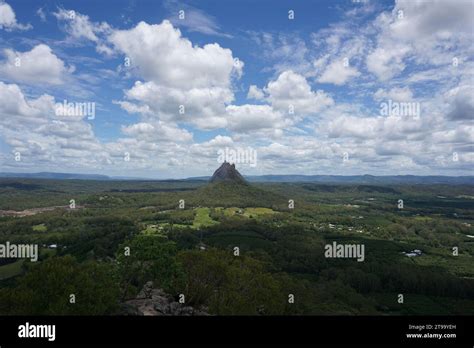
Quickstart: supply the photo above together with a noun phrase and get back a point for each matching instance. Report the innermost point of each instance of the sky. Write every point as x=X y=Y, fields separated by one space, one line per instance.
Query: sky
x=163 y=89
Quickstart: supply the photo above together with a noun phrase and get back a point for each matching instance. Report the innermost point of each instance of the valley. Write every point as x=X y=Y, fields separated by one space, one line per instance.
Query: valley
x=190 y=251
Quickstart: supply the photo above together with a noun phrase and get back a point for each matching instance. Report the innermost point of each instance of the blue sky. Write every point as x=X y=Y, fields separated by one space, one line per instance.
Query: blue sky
x=303 y=92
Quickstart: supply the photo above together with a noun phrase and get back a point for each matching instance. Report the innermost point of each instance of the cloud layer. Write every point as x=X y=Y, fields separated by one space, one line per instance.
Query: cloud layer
x=315 y=108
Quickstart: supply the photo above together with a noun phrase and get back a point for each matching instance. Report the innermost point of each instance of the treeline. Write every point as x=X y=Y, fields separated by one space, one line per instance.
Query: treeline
x=254 y=283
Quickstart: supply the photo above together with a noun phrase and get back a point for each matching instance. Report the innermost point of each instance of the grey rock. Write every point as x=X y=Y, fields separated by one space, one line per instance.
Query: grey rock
x=227 y=172
x=155 y=302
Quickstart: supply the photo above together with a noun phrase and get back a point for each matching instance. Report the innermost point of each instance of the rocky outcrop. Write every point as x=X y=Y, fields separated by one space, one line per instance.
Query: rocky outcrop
x=227 y=172
x=155 y=302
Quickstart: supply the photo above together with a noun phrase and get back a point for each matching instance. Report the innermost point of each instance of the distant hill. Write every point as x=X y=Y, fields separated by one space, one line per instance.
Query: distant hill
x=366 y=179
x=55 y=176
x=358 y=179
x=229 y=173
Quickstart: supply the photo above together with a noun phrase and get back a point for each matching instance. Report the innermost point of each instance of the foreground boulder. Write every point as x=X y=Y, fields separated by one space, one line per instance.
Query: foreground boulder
x=154 y=302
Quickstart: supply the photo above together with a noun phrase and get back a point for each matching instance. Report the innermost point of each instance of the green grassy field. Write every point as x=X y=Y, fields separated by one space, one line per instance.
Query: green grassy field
x=40 y=228
x=202 y=218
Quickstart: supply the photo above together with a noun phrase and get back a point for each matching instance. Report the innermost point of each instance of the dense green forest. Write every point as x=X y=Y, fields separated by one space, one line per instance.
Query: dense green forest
x=237 y=249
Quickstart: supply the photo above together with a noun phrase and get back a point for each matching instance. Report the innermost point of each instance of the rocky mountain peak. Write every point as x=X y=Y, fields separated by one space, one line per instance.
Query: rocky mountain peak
x=227 y=172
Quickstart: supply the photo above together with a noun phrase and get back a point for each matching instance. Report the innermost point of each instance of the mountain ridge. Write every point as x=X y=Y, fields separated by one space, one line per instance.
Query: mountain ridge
x=270 y=178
